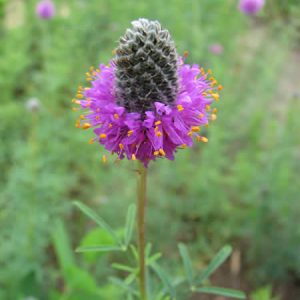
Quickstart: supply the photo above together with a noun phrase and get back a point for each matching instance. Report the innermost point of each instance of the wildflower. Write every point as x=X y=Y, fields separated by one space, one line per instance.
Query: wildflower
x=32 y=104
x=251 y=7
x=216 y=49
x=147 y=102
x=45 y=9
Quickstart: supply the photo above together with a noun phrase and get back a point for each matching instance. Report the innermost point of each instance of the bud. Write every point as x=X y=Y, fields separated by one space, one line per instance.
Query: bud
x=45 y=9
x=251 y=7
x=146 y=67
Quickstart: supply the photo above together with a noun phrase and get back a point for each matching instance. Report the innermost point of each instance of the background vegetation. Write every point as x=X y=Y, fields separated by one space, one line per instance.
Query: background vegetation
x=241 y=188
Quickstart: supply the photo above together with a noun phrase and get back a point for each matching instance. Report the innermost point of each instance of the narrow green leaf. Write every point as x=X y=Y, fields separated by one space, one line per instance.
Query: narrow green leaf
x=153 y=258
x=187 y=263
x=123 y=268
x=130 y=220
x=62 y=245
x=148 y=249
x=221 y=256
x=164 y=278
x=222 y=292
x=98 y=248
x=129 y=297
x=131 y=277
x=91 y=214
x=124 y=286
x=134 y=252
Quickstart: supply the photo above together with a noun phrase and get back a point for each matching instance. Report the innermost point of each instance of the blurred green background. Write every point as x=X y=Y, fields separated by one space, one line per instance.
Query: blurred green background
x=241 y=188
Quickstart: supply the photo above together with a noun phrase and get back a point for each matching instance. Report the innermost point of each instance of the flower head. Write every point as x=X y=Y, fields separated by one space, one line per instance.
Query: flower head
x=251 y=7
x=147 y=103
x=45 y=9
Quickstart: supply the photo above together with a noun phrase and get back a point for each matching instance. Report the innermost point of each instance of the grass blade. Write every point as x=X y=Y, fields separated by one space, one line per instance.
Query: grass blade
x=98 y=248
x=222 y=292
x=124 y=286
x=130 y=220
x=91 y=214
x=164 y=278
x=123 y=267
x=187 y=263
x=221 y=256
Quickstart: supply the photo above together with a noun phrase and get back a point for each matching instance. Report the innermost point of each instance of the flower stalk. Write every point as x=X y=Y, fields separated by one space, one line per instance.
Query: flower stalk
x=141 y=212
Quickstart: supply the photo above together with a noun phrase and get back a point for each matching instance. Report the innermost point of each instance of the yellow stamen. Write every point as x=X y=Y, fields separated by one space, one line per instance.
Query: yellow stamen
x=180 y=107
x=91 y=141
x=156 y=128
x=97 y=118
x=213 y=117
x=157 y=123
x=74 y=108
x=86 y=126
x=82 y=117
x=220 y=87
x=130 y=132
x=75 y=101
x=104 y=159
x=204 y=139
x=77 y=124
x=102 y=136
x=207 y=107
x=183 y=146
x=201 y=116
x=214 y=82
x=87 y=74
x=216 y=96
x=185 y=53
x=133 y=157
x=204 y=94
x=91 y=68
x=156 y=153
x=214 y=111
x=110 y=125
x=195 y=129
x=158 y=134
x=212 y=78
x=190 y=133
x=162 y=152
x=121 y=146
x=209 y=71
x=116 y=116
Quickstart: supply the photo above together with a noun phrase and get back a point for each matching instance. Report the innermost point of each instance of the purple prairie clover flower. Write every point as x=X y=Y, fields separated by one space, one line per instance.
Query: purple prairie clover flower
x=45 y=9
x=216 y=49
x=251 y=7
x=147 y=103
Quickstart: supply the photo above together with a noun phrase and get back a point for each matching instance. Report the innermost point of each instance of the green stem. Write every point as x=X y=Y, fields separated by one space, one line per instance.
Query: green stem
x=141 y=205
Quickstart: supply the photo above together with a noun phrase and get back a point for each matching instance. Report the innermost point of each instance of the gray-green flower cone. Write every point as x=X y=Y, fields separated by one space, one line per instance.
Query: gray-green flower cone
x=146 y=67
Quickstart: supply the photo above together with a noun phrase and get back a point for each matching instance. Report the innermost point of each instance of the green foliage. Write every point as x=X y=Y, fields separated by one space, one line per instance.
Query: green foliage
x=240 y=188
x=264 y=293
